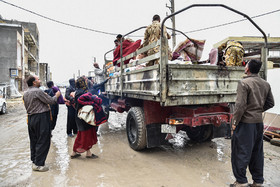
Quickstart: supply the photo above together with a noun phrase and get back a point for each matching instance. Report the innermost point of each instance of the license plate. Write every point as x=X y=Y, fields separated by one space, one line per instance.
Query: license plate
x=165 y=128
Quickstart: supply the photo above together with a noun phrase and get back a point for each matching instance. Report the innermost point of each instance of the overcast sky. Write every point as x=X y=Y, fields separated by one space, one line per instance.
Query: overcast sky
x=68 y=49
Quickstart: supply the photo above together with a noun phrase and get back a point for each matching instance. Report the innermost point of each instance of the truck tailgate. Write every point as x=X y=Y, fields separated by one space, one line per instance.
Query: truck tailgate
x=201 y=84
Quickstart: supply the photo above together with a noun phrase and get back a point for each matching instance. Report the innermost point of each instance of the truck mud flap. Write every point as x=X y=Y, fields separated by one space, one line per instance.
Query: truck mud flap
x=154 y=136
x=220 y=131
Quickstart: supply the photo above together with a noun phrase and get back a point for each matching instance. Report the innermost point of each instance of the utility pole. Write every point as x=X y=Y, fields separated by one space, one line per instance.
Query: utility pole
x=172 y=10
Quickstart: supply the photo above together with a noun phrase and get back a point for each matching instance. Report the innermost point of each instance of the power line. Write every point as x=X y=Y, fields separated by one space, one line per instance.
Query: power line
x=67 y=24
x=228 y=23
x=109 y=33
x=224 y=24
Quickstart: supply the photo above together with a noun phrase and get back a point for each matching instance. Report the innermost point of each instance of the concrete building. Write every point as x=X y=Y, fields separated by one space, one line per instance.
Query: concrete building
x=19 y=53
x=44 y=73
x=11 y=56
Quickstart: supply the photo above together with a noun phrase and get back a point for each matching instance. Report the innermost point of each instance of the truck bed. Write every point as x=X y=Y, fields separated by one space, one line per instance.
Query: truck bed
x=179 y=84
x=186 y=84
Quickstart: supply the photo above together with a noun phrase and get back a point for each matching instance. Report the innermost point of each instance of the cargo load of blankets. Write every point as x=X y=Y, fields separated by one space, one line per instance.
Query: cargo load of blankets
x=188 y=51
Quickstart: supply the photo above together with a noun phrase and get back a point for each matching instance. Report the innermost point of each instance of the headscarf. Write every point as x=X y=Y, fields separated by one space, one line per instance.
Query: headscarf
x=81 y=84
x=72 y=83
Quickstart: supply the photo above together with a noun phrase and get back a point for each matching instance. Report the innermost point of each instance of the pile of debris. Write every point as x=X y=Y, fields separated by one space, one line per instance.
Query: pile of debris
x=272 y=136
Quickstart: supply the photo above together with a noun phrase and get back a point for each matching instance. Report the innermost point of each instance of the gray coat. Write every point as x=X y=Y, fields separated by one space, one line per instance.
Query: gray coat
x=99 y=75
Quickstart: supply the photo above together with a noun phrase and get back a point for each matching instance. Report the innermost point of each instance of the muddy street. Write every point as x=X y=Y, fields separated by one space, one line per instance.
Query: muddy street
x=180 y=164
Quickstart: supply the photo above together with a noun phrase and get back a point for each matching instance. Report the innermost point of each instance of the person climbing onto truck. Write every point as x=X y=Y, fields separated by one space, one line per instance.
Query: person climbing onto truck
x=152 y=34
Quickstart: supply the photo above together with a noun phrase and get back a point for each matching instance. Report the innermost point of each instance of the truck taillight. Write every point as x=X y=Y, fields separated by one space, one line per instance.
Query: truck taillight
x=176 y=121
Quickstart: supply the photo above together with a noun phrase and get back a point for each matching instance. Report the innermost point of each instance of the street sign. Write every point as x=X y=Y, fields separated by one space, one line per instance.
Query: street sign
x=13 y=72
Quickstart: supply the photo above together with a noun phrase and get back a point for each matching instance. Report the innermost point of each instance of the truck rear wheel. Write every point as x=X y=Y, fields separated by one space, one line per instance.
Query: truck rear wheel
x=136 y=129
x=200 y=133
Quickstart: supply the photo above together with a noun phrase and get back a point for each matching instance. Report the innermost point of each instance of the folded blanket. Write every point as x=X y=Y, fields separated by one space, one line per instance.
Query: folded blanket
x=89 y=99
x=213 y=56
x=190 y=49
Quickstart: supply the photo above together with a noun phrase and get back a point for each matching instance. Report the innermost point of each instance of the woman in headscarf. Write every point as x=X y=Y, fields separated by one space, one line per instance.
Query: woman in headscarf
x=86 y=136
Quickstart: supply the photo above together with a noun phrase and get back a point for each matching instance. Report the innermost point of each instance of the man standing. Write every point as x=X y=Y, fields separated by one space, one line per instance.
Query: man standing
x=253 y=98
x=39 y=126
x=99 y=75
x=152 y=34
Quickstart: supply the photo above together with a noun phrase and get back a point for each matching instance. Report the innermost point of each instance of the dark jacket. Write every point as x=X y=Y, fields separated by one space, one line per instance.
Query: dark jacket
x=254 y=96
x=96 y=87
x=54 y=107
x=70 y=89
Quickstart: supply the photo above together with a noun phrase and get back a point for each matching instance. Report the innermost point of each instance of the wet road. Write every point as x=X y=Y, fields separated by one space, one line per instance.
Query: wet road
x=181 y=164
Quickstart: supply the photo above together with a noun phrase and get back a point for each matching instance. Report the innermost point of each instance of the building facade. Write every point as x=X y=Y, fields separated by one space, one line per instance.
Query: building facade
x=19 y=54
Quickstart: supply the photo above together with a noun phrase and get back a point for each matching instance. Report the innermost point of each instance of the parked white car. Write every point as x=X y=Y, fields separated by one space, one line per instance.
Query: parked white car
x=3 y=103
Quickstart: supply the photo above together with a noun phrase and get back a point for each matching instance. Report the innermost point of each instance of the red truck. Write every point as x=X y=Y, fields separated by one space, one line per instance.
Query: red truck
x=165 y=98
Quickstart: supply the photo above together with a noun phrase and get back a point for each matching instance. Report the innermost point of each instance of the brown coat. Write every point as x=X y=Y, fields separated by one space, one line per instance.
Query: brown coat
x=254 y=96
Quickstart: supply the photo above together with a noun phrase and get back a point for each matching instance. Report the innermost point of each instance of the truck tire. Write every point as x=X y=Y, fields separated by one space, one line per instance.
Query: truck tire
x=136 y=128
x=200 y=133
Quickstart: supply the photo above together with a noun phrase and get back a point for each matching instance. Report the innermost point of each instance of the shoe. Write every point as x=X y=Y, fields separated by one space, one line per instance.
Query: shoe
x=237 y=184
x=256 y=185
x=34 y=166
x=227 y=137
x=40 y=168
x=70 y=135
x=93 y=156
x=75 y=156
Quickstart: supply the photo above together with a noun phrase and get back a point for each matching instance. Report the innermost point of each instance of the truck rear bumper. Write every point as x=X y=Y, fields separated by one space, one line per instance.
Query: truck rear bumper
x=205 y=119
x=155 y=138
